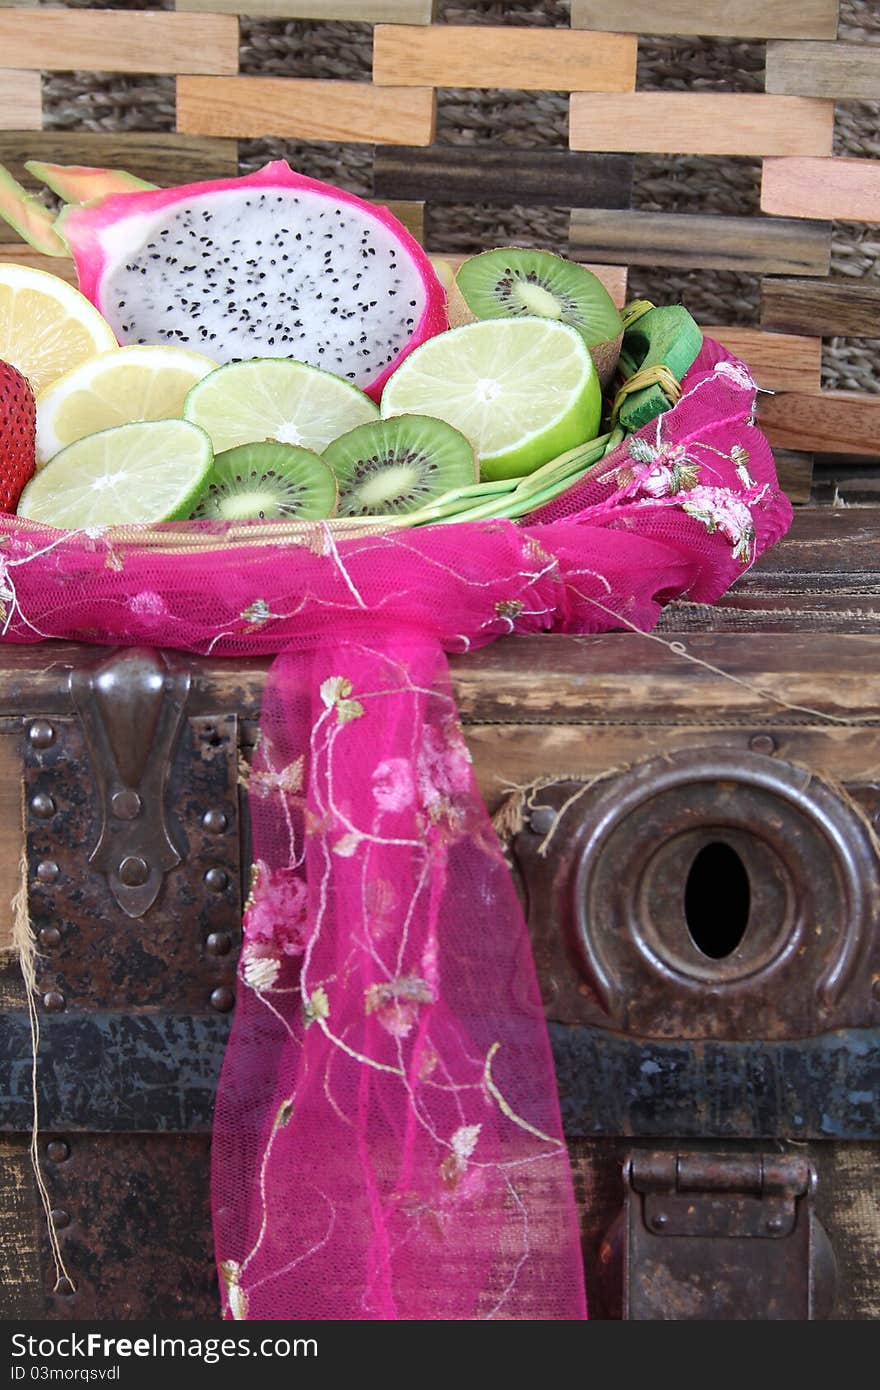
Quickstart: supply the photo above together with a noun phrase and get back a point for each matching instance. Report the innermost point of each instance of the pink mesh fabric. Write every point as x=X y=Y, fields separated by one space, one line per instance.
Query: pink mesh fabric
x=387 y=1140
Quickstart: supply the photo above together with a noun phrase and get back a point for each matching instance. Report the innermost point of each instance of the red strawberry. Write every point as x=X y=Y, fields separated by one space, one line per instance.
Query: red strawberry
x=18 y=423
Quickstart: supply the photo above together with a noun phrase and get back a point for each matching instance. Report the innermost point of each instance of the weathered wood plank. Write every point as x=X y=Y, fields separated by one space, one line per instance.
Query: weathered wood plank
x=161 y=158
x=795 y=473
x=410 y=212
x=21 y=100
x=740 y=123
x=305 y=109
x=19 y=253
x=119 y=41
x=701 y=240
x=11 y=832
x=463 y=174
x=832 y=422
x=613 y=277
x=361 y=11
x=827 y=307
x=848 y=189
x=743 y=19
x=847 y=71
x=526 y=58
x=779 y=361
x=518 y=754
x=621 y=677
x=21 y=1282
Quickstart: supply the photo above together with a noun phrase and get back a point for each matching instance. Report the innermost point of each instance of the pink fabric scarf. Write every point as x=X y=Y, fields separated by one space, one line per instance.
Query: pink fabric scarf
x=387 y=1141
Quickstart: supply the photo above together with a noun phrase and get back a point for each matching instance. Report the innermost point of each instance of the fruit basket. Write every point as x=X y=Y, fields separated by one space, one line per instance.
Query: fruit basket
x=621 y=522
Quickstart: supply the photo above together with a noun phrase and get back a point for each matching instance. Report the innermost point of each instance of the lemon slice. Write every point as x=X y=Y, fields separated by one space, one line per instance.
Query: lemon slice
x=276 y=398
x=115 y=388
x=156 y=470
x=46 y=326
x=521 y=390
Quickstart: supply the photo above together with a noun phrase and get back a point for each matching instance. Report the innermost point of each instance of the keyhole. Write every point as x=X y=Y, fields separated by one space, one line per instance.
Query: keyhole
x=717 y=898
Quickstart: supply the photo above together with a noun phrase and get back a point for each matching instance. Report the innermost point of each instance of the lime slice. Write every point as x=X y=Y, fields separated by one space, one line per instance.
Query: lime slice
x=276 y=398
x=116 y=388
x=521 y=390
x=46 y=326
x=152 y=471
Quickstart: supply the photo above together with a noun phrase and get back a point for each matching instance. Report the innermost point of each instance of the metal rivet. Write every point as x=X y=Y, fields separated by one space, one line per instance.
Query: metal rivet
x=60 y=1218
x=53 y=1002
x=134 y=871
x=541 y=820
x=47 y=871
x=660 y=1220
x=41 y=733
x=222 y=999
x=126 y=804
x=219 y=943
x=214 y=821
x=64 y=1287
x=216 y=880
x=42 y=805
x=775 y=1224
x=57 y=1151
x=763 y=743
x=50 y=936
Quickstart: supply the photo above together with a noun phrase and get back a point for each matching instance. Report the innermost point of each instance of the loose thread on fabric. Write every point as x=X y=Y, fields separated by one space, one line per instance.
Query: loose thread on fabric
x=679 y=649
x=25 y=945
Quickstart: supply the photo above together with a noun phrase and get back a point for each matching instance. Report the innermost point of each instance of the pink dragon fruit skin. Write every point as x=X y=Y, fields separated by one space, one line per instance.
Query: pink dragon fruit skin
x=272 y=264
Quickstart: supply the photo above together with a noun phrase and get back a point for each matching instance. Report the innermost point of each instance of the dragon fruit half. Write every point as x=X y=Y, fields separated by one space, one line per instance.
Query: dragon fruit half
x=272 y=264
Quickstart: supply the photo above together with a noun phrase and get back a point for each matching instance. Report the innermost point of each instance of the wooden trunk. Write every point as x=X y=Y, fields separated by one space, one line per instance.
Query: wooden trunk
x=684 y=1019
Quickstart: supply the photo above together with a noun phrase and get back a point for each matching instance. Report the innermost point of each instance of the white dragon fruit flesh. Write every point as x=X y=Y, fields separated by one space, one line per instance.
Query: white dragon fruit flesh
x=272 y=264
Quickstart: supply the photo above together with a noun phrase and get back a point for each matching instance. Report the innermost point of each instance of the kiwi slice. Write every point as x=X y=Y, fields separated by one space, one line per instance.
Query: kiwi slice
x=268 y=481
x=513 y=281
x=388 y=467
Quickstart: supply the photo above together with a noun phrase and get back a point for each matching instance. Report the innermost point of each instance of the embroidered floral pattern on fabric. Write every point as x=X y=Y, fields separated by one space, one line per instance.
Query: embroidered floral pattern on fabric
x=655 y=472
x=387 y=1139
x=718 y=510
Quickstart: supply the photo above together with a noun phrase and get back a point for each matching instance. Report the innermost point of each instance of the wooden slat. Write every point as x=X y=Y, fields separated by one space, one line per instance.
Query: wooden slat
x=795 y=473
x=19 y=253
x=462 y=174
x=21 y=102
x=361 y=11
x=848 y=189
x=119 y=41
x=744 y=19
x=305 y=109
x=613 y=277
x=410 y=212
x=160 y=158
x=844 y=70
x=449 y=55
x=778 y=361
x=684 y=240
x=11 y=833
x=834 y=422
x=827 y=307
x=740 y=123
x=512 y=755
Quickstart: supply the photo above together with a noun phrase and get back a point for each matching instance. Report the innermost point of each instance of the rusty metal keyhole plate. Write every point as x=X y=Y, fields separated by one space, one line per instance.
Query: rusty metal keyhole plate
x=616 y=948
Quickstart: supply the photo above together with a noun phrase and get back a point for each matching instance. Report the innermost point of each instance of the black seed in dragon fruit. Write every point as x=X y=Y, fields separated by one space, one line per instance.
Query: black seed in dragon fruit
x=269 y=265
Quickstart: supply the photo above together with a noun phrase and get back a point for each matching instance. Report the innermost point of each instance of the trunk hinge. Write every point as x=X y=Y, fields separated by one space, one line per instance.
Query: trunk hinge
x=724 y=1236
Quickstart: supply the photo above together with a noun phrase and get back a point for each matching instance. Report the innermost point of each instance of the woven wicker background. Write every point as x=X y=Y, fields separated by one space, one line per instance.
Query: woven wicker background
x=668 y=183
x=554 y=104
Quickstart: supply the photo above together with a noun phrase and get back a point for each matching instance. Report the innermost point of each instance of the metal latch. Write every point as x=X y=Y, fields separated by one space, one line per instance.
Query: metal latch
x=724 y=1236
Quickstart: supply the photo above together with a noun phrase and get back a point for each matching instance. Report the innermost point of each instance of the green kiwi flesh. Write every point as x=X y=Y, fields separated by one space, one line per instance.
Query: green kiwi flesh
x=514 y=281
x=391 y=467
x=268 y=481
